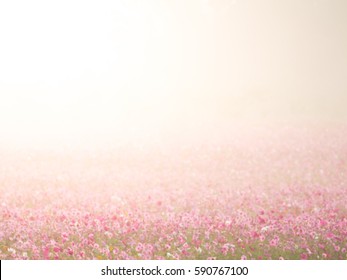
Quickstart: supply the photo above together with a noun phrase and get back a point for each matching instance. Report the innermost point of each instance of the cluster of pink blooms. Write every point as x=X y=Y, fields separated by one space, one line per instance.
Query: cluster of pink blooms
x=259 y=193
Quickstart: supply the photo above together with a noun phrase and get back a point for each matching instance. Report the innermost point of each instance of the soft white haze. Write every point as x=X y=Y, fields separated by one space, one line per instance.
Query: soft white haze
x=71 y=70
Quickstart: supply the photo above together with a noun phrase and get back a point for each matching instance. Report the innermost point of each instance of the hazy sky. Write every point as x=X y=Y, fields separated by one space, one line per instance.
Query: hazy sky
x=73 y=64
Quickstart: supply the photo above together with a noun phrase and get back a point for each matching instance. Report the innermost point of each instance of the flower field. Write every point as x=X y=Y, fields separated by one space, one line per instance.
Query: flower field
x=239 y=193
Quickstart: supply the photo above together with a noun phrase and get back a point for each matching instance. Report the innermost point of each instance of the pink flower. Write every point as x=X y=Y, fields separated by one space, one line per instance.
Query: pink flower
x=70 y=251
x=139 y=247
x=46 y=252
x=224 y=249
x=64 y=236
x=274 y=242
x=56 y=249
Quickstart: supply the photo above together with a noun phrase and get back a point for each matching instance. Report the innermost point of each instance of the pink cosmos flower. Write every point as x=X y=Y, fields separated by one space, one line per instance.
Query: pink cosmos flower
x=139 y=247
